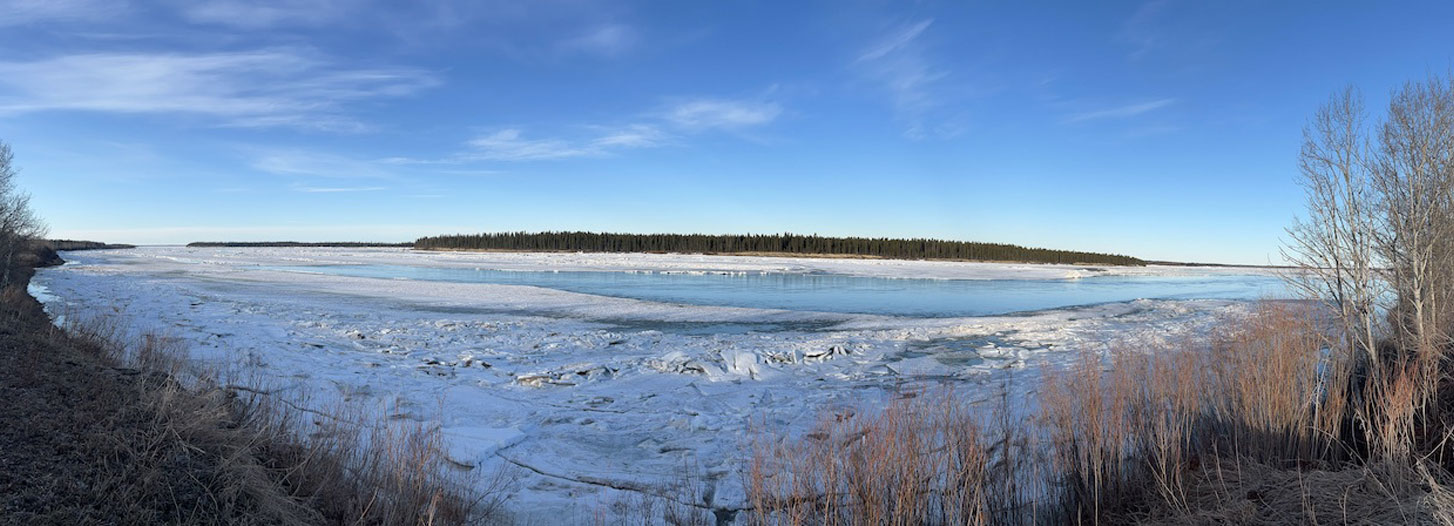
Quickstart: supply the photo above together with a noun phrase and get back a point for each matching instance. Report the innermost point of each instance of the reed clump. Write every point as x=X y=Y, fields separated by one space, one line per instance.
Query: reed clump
x=920 y=460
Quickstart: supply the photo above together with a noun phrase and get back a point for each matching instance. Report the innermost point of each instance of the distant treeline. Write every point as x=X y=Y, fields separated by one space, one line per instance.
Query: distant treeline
x=71 y=244
x=339 y=244
x=769 y=243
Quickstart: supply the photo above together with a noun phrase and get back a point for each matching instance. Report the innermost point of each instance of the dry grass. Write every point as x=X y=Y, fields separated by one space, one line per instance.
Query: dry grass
x=1257 y=423
x=86 y=441
x=1127 y=434
x=1248 y=492
x=276 y=460
x=921 y=460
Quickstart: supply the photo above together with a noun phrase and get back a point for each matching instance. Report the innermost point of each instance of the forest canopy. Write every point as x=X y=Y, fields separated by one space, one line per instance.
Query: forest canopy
x=766 y=243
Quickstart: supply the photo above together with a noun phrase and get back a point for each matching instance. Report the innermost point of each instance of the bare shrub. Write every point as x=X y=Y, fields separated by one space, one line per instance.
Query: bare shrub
x=1378 y=242
x=19 y=225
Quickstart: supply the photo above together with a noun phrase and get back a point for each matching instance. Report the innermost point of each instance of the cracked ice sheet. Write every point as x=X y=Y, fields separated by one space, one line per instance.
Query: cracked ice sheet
x=588 y=391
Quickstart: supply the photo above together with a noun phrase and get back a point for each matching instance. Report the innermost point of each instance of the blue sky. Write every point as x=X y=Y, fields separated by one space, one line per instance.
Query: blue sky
x=1164 y=130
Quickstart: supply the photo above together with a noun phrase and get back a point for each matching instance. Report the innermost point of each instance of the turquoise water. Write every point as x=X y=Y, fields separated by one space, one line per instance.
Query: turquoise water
x=845 y=294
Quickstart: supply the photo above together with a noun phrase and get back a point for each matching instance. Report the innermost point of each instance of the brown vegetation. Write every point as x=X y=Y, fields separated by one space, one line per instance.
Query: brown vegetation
x=1244 y=427
x=915 y=462
x=102 y=427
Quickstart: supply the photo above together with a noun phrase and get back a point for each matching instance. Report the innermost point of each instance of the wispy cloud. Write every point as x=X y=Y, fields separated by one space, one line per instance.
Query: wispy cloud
x=1141 y=30
x=242 y=14
x=896 y=40
x=510 y=144
x=253 y=89
x=1121 y=112
x=900 y=64
x=453 y=165
x=608 y=40
x=258 y=14
x=20 y=12
x=337 y=189
x=680 y=119
x=704 y=114
x=344 y=173
x=315 y=164
x=377 y=232
x=630 y=136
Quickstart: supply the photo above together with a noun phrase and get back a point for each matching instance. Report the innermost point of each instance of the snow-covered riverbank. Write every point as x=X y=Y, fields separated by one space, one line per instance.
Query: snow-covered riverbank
x=590 y=391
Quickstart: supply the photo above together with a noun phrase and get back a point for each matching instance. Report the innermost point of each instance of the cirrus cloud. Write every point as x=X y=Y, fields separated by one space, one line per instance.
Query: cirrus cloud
x=1121 y=112
x=19 y=12
x=510 y=144
x=250 y=89
x=703 y=114
x=684 y=118
x=900 y=63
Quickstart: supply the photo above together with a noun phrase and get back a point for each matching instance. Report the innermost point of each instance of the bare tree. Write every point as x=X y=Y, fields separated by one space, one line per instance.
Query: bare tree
x=19 y=226
x=1414 y=179
x=1379 y=238
x=1334 y=247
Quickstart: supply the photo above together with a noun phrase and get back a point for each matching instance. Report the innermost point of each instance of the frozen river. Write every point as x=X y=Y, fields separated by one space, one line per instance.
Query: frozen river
x=916 y=297
x=594 y=371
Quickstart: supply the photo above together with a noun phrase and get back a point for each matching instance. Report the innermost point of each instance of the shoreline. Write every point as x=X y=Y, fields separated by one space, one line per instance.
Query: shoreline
x=766 y=255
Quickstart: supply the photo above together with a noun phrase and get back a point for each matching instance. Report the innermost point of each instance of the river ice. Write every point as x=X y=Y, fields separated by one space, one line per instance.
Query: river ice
x=582 y=392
